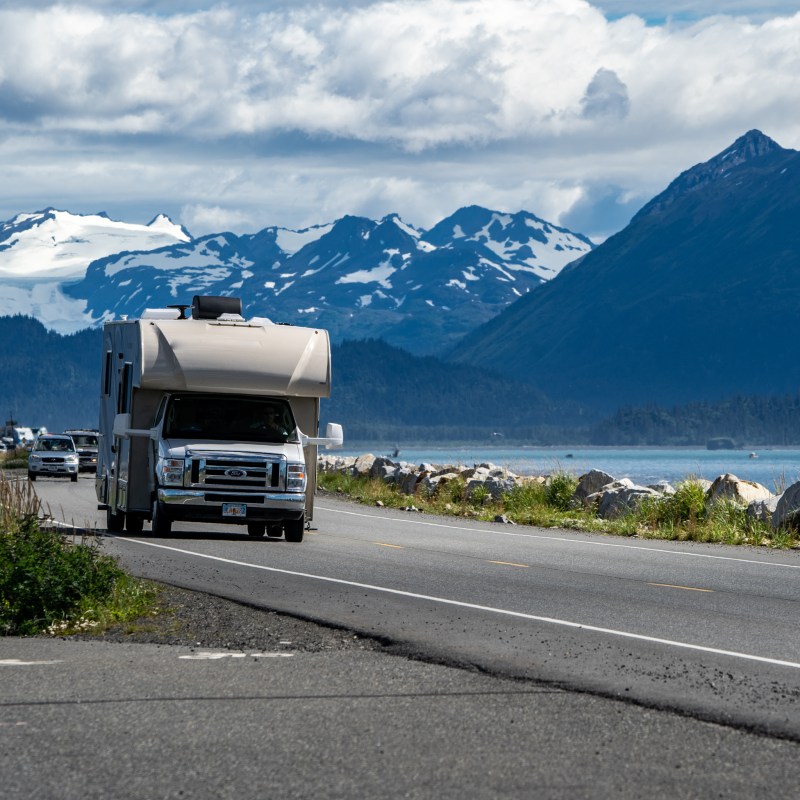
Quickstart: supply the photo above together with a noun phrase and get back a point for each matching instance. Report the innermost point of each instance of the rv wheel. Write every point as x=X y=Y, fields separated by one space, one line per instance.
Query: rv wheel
x=115 y=523
x=293 y=529
x=160 y=523
x=274 y=531
x=134 y=523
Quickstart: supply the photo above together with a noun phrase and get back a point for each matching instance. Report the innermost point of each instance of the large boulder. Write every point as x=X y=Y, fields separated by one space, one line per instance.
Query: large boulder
x=593 y=481
x=762 y=510
x=406 y=480
x=735 y=490
x=381 y=466
x=787 y=510
x=664 y=487
x=621 y=497
x=497 y=485
x=362 y=465
x=429 y=484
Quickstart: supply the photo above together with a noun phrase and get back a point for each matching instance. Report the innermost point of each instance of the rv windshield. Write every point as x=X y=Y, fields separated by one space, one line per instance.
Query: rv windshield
x=229 y=418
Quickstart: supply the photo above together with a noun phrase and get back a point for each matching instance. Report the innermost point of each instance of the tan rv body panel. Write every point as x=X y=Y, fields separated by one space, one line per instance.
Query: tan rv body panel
x=240 y=358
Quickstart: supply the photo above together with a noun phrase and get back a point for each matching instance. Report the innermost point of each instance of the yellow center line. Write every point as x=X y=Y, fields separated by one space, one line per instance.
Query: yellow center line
x=393 y=546
x=510 y=564
x=687 y=588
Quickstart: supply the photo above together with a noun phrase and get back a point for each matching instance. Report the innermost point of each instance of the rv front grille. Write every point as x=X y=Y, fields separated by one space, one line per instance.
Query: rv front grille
x=228 y=471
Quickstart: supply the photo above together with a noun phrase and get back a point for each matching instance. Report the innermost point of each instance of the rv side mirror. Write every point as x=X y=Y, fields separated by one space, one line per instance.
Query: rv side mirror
x=334 y=432
x=333 y=438
x=122 y=424
x=123 y=430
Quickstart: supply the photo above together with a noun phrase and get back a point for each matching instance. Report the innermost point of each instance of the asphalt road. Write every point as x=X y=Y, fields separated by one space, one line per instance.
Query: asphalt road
x=637 y=658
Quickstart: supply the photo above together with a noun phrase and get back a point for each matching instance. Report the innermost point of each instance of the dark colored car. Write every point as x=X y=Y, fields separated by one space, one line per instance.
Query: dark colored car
x=86 y=442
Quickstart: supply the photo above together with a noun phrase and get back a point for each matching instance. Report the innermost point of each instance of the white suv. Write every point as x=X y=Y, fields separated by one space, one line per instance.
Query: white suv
x=53 y=454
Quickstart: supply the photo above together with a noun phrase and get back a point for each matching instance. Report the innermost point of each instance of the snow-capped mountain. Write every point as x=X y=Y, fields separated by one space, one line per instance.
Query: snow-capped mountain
x=357 y=277
x=39 y=251
x=57 y=245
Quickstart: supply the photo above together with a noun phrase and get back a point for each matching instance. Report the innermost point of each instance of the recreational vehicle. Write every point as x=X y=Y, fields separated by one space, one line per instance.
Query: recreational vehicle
x=208 y=417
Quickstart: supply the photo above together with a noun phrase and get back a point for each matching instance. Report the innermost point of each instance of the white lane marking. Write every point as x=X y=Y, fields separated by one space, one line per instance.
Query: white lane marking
x=475 y=607
x=15 y=662
x=641 y=548
x=215 y=656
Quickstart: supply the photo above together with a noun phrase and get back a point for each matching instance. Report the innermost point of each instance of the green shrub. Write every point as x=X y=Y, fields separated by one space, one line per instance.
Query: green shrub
x=685 y=509
x=560 y=489
x=50 y=582
x=480 y=495
x=44 y=579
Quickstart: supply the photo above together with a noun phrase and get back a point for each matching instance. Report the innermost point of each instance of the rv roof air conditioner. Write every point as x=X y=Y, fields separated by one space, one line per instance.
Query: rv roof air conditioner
x=210 y=307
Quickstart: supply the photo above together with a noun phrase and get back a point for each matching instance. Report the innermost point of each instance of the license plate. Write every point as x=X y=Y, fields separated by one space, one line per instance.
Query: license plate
x=234 y=509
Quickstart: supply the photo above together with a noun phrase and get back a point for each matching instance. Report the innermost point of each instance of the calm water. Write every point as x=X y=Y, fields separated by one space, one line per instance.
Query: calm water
x=642 y=465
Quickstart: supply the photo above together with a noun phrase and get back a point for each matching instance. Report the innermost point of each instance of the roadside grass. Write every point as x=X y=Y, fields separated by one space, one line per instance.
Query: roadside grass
x=14 y=459
x=56 y=583
x=684 y=516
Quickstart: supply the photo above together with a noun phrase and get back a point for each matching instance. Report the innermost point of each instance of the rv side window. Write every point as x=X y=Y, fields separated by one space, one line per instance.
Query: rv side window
x=107 y=374
x=160 y=413
x=124 y=390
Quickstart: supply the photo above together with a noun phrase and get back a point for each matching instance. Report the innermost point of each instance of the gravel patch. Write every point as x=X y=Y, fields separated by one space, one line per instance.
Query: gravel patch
x=196 y=619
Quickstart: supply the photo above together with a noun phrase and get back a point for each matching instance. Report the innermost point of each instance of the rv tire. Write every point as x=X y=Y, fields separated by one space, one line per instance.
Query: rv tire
x=160 y=523
x=134 y=523
x=274 y=531
x=115 y=523
x=293 y=529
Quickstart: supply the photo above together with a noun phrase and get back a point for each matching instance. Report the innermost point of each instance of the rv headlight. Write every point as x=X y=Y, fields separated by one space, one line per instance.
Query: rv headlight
x=170 y=471
x=296 y=477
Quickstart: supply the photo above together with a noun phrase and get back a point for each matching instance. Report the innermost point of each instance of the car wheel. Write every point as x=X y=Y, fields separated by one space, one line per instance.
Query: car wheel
x=256 y=528
x=134 y=523
x=293 y=529
x=274 y=531
x=31 y=476
x=160 y=523
x=73 y=478
x=115 y=523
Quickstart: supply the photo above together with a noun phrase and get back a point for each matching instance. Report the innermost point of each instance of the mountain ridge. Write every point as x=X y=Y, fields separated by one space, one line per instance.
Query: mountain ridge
x=356 y=277
x=691 y=301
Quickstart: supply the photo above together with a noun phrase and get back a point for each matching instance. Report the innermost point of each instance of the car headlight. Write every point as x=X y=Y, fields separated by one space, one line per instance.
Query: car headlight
x=34 y=459
x=72 y=459
x=170 y=471
x=296 y=477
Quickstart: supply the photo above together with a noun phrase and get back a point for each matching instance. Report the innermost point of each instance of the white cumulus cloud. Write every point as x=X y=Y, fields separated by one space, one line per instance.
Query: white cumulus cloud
x=281 y=113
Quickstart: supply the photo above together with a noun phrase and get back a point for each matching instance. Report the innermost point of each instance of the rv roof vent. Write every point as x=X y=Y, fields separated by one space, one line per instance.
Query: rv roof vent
x=209 y=307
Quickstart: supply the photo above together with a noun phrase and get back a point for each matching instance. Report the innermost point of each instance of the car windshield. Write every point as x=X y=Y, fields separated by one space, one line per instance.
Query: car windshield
x=54 y=445
x=84 y=439
x=230 y=417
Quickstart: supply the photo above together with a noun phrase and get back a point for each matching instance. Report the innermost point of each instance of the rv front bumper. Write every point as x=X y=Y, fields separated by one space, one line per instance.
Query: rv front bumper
x=191 y=504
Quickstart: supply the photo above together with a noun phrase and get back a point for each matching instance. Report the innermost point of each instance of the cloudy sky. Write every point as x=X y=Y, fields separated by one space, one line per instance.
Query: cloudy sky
x=239 y=115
